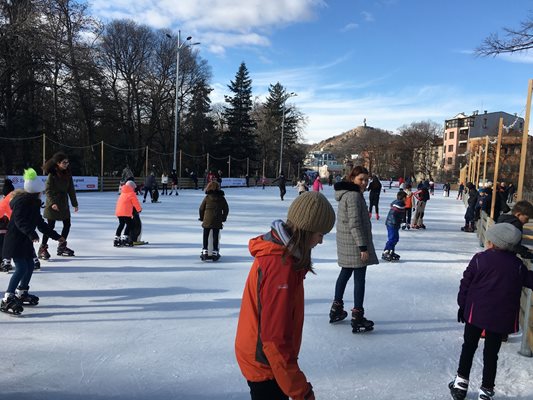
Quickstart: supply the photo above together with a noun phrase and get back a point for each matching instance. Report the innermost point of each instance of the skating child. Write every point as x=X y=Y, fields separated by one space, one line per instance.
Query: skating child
x=317 y=184
x=394 y=222
x=302 y=187
x=213 y=213
x=408 y=207
x=489 y=299
x=422 y=197
x=470 y=214
x=126 y=202
x=521 y=213
x=271 y=319
x=26 y=216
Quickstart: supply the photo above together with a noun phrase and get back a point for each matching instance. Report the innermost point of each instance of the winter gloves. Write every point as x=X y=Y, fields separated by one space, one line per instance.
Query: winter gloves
x=460 y=315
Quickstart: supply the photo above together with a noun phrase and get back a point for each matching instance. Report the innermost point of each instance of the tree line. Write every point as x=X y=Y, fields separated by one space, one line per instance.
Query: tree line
x=80 y=81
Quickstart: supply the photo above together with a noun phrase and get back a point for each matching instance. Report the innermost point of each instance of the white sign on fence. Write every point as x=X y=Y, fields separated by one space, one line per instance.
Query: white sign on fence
x=80 y=182
x=232 y=182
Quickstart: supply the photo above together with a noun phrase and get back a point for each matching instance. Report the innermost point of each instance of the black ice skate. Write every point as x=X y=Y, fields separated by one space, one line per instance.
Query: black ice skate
x=43 y=253
x=203 y=255
x=63 y=250
x=387 y=256
x=337 y=312
x=126 y=241
x=359 y=323
x=6 y=265
x=117 y=242
x=458 y=388
x=36 y=264
x=215 y=255
x=485 y=394
x=27 y=298
x=11 y=304
x=395 y=257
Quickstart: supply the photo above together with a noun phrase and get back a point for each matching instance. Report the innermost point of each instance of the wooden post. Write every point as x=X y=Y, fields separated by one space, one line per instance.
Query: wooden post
x=263 y=167
x=478 y=158
x=44 y=148
x=496 y=167
x=523 y=151
x=248 y=167
x=102 y=166
x=485 y=161
x=146 y=163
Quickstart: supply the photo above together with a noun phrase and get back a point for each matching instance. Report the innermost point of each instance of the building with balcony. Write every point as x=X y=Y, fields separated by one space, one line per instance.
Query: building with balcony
x=323 y=162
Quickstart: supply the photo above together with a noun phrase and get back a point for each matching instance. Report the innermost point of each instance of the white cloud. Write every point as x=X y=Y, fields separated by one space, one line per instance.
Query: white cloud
x=350 y=27
x=522 y=57
x=368 y=16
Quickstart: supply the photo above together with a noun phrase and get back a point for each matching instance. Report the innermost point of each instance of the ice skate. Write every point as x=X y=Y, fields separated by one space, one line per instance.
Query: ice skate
x=377 y=216
x=27 y=298
x=203 y=255
x=337 y=312
x=404 y=227
x=11 y=304
x=43 y=253
x=387 y=256
x=63 y=250
x=36 y=264
x=215 y=255
x=126 y=241
x=117 y=242
x=395 y=256
x=458 y=388
x=359 y=323
x=6 y=265
x=485 y=394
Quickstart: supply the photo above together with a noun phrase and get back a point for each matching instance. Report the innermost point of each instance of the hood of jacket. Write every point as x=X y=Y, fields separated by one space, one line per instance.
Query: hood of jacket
x=20 y=197
x=215 y=192
x=126 y=189
x=343 y=187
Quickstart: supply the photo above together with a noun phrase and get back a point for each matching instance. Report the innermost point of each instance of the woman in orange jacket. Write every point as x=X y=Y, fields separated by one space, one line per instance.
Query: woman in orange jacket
x=271 y=319
x=126 y=202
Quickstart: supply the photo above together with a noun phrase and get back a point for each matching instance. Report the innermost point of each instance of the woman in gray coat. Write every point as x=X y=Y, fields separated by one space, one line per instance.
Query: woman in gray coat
x=355 y=249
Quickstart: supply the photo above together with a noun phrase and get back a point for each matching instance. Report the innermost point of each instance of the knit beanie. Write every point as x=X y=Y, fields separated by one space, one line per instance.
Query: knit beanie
x=504 y=235
x=312 y=212
x=32 y=182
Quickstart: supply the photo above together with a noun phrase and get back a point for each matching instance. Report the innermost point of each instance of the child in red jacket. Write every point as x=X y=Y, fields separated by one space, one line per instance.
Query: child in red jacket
x=270 y=325
x=126 y=202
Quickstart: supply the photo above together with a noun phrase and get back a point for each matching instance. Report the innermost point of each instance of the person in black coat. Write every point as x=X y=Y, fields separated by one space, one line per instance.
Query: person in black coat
x=521 y=213
x=281 y=181
x=19 y=239
x=374 y=190
x=471 y=209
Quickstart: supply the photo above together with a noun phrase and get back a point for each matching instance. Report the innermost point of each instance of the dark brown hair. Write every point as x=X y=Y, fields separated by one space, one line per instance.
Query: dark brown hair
x=358 y=170
x=212 y=186
x=50 y=165
x=523 y=207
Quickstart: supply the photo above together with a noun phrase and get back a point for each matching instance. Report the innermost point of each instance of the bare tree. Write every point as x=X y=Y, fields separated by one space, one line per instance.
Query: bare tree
x=515 y=40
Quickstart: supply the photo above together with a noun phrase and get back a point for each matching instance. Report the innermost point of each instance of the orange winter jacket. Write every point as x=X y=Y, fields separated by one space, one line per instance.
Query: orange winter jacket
x=126 y=202
x=269 y=331
x=5 y=209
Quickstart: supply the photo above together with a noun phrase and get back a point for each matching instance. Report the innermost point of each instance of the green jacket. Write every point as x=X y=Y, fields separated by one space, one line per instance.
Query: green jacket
x=214 y=209
x=58 y=187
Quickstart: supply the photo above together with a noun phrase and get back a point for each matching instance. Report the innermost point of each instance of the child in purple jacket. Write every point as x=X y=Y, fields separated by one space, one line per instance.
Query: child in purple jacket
x=489 y=299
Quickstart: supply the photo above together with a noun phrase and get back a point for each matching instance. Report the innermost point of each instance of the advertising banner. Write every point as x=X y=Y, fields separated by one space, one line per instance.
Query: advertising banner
x=80 y=182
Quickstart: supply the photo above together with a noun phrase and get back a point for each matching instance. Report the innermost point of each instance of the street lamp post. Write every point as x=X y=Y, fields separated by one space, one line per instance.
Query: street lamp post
x=176 y=107
x=292 y=94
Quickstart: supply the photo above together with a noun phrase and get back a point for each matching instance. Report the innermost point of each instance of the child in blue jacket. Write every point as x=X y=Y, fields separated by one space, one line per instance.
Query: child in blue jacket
x=394 y=222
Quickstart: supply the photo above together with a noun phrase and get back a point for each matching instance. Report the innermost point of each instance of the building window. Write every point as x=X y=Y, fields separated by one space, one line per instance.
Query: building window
x=450 y=148
x=450 y=161
x=484 y=123
x=452 y=135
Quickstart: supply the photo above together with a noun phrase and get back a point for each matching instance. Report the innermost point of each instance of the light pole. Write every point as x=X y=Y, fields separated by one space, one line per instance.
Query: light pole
x=176 y=108
x=287 y=96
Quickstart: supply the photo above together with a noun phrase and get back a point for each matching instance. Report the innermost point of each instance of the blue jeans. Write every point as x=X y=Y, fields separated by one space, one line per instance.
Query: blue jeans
x=393 y=234
x=359 y=275
x=22 y=275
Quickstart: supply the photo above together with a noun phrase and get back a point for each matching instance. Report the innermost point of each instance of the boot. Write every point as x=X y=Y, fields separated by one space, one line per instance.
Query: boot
x=370 y=215
x=485 y=394
x=215 y=256
x=11 y=304
x=63 y=250
x=36 y=264
x=377 y=216
x=394 y=256
x=43 y=253
x=359 y=322
x=117 y=242
x=387 y=256
x=6 y=265
x=337 y=312
x=203 y=255
x=126 y=241
x=458 y=388
x=25 y=297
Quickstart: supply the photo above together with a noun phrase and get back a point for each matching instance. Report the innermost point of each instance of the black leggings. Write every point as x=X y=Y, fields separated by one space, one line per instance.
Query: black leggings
x=266 y=390
x=374 y=202
x=493 y=342
x=121 y=222
x=215 y=238
x=64 y=232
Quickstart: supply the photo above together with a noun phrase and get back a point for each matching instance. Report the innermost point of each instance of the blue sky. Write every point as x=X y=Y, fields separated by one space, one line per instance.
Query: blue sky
x=392 y=62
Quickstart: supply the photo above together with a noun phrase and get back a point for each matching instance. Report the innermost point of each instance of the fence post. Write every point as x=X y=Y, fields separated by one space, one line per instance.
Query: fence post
x=524 y=347
x=179 y=174
x=525 y=135
x=102 y=167
x=496 y=169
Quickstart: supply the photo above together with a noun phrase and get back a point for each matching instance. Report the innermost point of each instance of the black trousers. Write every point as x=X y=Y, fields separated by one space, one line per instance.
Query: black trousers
x=64 y=232
x=215 y=238
x=121 y=222
x=374 y=202
x=266 y=390
x=493 y=342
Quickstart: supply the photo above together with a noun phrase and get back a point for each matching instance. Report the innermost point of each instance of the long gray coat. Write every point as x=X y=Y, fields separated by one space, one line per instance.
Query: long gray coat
x=354 y=230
